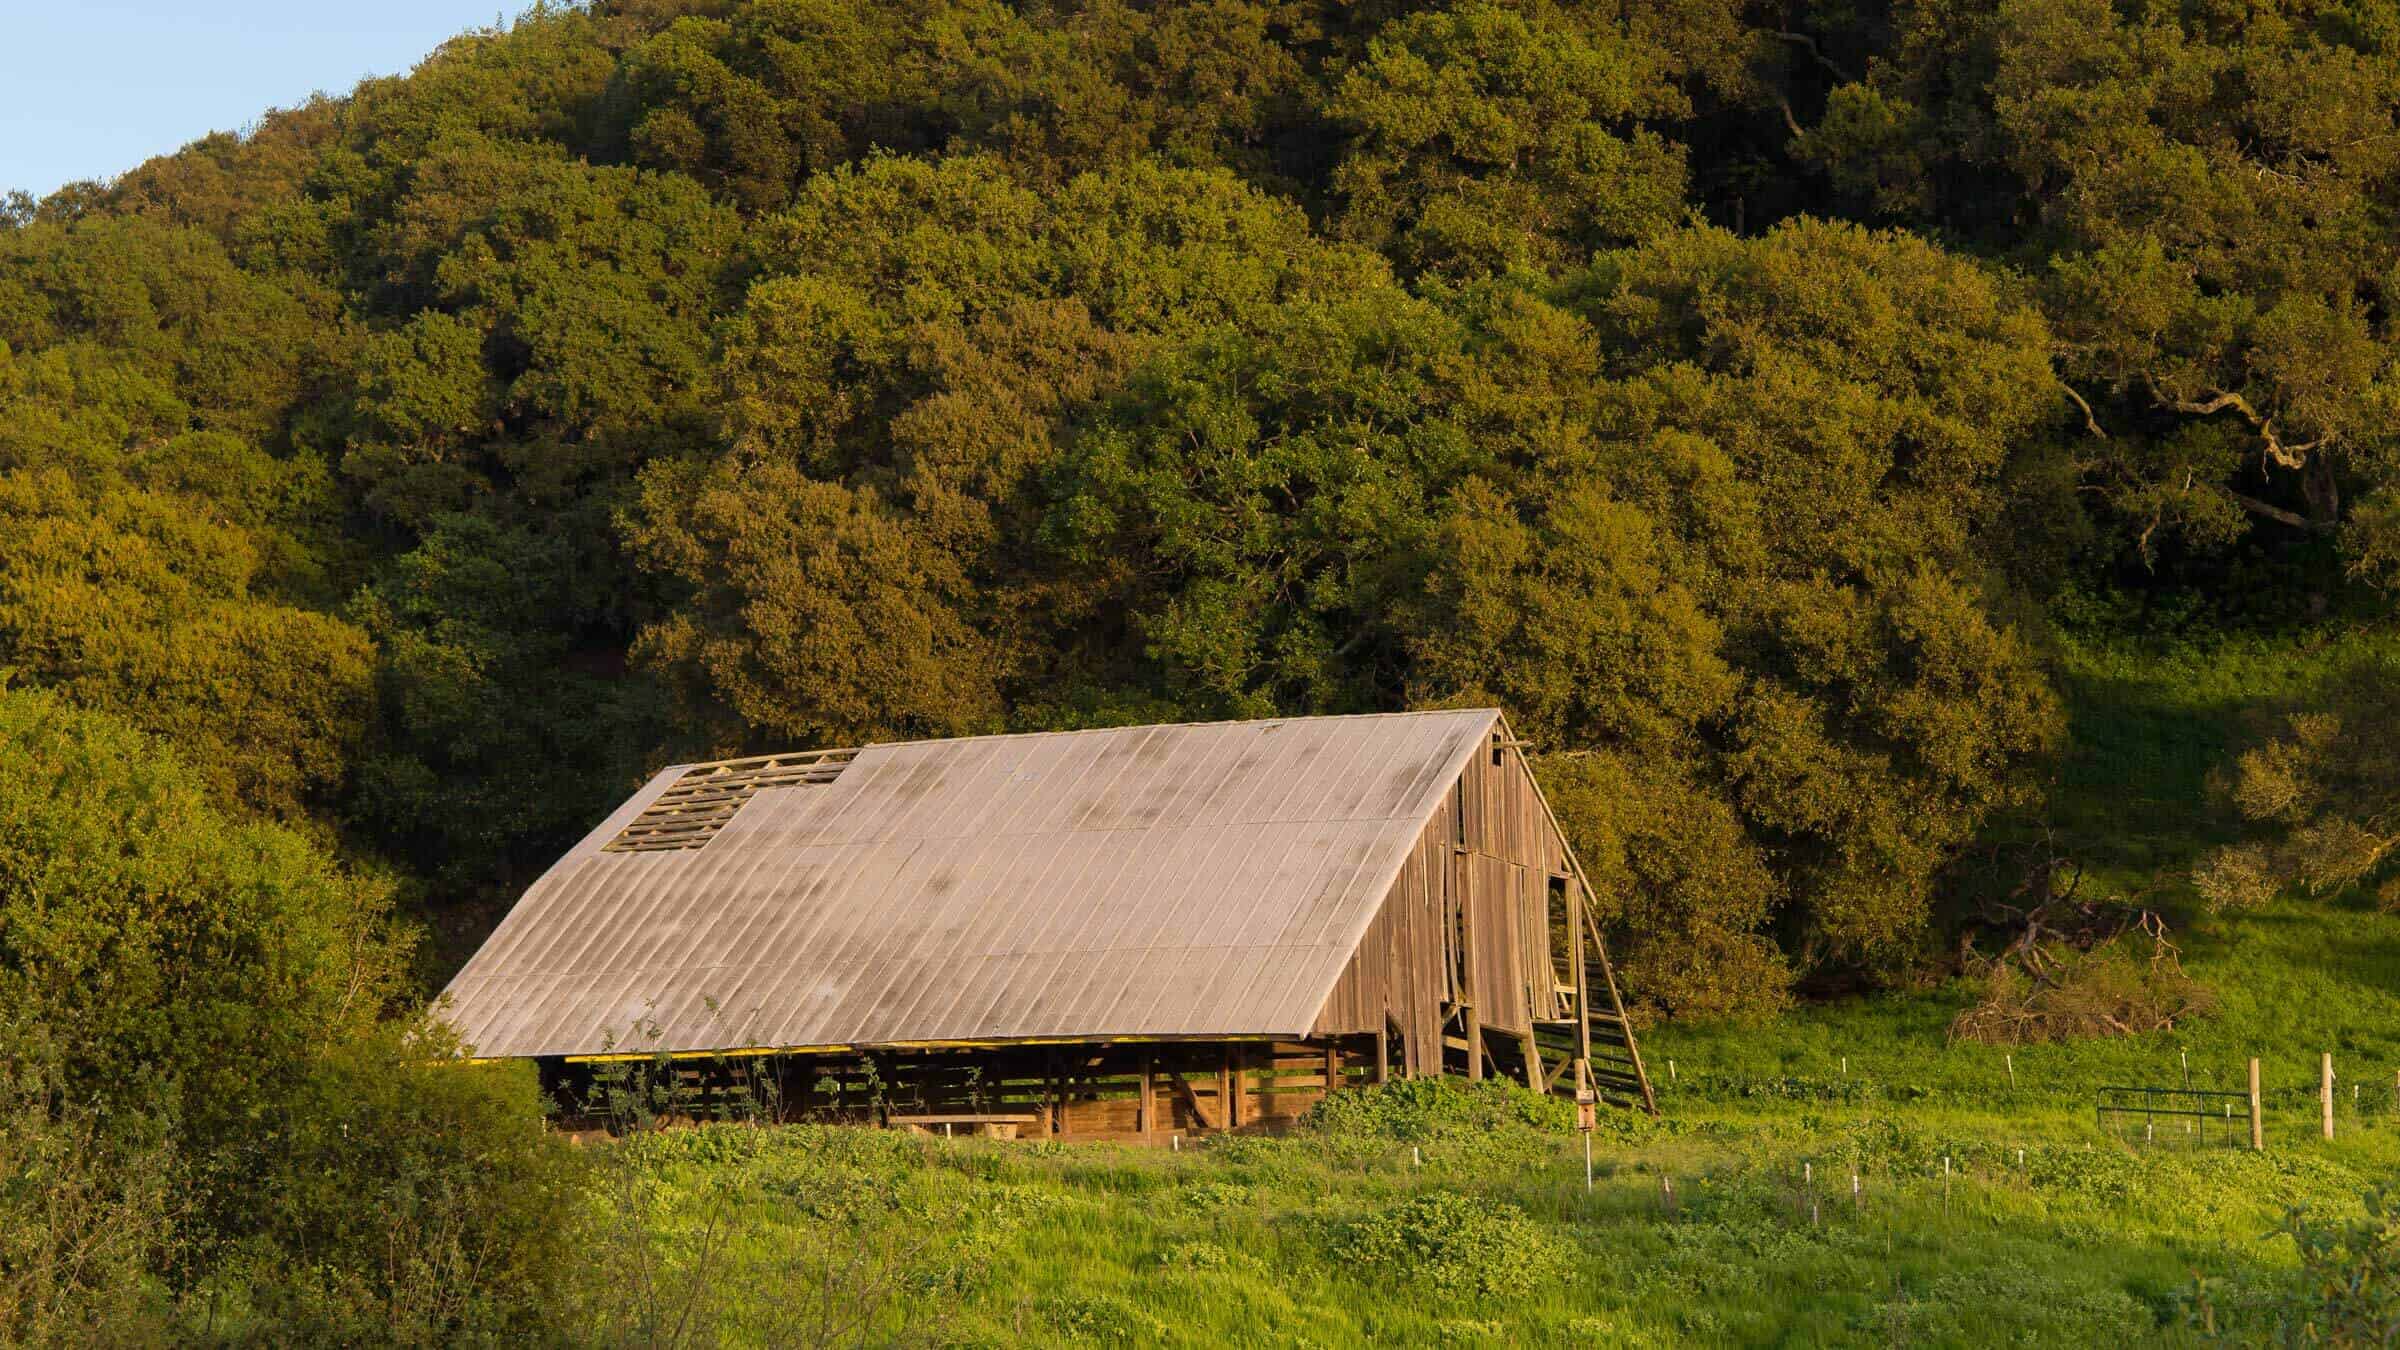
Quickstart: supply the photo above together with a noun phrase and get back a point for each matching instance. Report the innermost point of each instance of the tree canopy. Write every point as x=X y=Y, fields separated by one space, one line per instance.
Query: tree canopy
x=1745 y=404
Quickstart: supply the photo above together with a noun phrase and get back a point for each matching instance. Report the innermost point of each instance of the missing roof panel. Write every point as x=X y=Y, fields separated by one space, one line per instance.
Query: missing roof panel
x=691 y=811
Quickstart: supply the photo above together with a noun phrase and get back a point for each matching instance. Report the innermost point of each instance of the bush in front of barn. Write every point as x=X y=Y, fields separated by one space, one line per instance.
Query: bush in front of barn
x=214 y=1117
x=1418 y=1110
x=400 y=1198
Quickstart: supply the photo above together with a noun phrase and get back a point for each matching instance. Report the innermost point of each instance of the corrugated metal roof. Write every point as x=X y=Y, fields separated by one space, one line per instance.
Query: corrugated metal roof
x=1207 y=879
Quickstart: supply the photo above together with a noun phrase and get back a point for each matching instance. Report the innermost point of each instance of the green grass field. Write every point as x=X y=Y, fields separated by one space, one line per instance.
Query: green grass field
x=1425 y=1214
x=2049 y=1231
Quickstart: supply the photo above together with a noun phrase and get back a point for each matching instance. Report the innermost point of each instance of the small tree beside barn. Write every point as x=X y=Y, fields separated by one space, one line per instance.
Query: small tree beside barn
x=1124 y=933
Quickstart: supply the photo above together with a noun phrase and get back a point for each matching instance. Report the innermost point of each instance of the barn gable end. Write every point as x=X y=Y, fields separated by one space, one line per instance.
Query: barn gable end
x=1484 y=936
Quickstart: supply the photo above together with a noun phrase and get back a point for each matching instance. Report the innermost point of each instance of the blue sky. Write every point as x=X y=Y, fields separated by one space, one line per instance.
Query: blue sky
x=88 y=90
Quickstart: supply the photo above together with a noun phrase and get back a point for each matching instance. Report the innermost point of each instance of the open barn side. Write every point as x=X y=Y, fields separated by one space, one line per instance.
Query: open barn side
x=1143 y=1094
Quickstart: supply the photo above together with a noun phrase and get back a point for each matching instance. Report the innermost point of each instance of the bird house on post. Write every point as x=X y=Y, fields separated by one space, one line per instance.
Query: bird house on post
x=1587 y=1102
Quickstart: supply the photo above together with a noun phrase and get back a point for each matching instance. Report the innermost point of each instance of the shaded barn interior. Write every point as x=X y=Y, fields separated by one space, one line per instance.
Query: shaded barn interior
x=1132 y=933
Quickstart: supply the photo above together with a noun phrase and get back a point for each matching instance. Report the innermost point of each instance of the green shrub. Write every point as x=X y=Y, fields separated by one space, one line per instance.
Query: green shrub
x=2348 y=1290
x=1452 y=1244
x=179 y=959
x=202 y=1096
x=412 y=1199
x=87 y=1205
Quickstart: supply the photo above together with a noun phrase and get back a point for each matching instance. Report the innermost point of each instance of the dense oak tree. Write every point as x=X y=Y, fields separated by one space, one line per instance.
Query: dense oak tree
x=2204 y=195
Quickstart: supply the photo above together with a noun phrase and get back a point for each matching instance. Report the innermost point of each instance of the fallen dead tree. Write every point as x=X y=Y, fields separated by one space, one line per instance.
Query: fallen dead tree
x=2071 y=968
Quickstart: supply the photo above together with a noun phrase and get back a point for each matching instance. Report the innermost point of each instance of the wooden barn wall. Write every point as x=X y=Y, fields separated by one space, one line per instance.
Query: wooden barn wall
x=1490 y=847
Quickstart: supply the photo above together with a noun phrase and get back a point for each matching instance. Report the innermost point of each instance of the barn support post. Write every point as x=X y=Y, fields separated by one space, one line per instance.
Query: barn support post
x=1149 y=1096
x=1383 y=1051
x=1227 y=1112
x=1333 y=1065
x=1054 y=1073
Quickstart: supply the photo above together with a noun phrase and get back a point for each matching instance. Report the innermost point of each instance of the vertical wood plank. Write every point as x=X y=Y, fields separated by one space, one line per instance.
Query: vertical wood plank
x=1149 y=1096
x=1462 y=875
x=1576 y=918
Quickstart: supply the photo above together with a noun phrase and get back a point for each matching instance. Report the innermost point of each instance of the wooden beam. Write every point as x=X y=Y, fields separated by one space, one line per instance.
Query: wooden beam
x=1383 y=1051
x=1533 y=1061
x=1333 y=1066
x=1550 y=1079
x=1225 y=1102
x=1576 y=919
x=1149 y=1097
x=1191 y=1098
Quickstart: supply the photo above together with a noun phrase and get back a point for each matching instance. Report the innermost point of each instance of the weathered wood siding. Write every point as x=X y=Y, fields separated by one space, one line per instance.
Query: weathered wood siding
x=1086 y=1092
x=1486 y=857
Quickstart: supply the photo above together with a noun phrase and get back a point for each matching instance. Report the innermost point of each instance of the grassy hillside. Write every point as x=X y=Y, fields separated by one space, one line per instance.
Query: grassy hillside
x=1430 y=1215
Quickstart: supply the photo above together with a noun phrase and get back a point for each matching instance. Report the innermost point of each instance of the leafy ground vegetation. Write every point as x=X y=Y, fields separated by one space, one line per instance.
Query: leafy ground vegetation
x=1921 y=471
x=1433 y=1214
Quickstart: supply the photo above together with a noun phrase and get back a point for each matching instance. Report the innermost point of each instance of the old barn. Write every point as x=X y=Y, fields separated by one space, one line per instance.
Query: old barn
x=1121 y=933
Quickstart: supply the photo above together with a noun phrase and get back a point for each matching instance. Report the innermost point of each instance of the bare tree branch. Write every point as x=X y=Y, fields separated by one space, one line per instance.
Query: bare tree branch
x=1817 y=53
x=2290 y=455
x=2276 y=513
x=2090 y=423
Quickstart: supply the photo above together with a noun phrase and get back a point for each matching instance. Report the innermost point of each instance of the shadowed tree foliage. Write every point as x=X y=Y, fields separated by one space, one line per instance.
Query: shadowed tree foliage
x=2205 y=196
x=1487 y=138
x=860 y=563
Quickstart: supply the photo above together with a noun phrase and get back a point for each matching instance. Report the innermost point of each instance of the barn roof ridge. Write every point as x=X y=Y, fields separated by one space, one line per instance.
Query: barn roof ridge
x=1074 y=731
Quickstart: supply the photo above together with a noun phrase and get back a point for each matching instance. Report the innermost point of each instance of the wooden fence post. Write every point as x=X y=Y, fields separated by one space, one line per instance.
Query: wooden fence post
x=2258 y=1119
x=2325 y=1091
